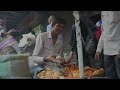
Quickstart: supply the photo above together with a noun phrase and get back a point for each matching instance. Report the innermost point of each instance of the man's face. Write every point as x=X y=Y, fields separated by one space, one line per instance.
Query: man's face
x=58 y=28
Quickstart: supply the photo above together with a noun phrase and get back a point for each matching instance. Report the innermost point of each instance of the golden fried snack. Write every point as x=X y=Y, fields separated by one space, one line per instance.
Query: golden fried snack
x=56 y=75
x=69 y=76
x=98 y=72
x=43 y=73
x=88 y=68
x=50 y=72
x=88 y=72
x=38 y=75
x=42 y=77
x=61 y=77
x=67 y=69
x=75 y=74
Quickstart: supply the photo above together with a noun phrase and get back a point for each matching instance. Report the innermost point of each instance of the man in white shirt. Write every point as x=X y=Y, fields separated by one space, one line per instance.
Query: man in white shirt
x=51 y=21
x=110 y=43
x=48 y=45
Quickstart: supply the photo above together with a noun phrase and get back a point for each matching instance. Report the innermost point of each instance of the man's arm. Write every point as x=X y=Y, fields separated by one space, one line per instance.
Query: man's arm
x=37 y=49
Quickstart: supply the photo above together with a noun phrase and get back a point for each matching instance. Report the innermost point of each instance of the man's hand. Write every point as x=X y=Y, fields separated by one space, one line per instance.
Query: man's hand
x=50 y=58
x=54 y=58
x=69 y=58
x=97 y=56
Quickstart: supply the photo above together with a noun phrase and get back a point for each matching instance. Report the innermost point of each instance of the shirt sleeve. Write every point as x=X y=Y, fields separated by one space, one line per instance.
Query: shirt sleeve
x=100 y=44
x=38 y=47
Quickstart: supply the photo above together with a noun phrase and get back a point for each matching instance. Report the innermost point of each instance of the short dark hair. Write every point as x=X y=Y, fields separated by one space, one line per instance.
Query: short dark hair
x=59 y=21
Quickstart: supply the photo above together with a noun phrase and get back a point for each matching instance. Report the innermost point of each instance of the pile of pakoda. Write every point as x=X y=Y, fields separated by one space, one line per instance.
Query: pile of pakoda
x=70 y=72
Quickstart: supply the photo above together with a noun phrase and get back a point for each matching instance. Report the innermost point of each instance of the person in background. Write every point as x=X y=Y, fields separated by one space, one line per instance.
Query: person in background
x=97 y=35
x=9 y=44
x=51 y=21
x=99 y=29
x=73 y=41
x=109 y=42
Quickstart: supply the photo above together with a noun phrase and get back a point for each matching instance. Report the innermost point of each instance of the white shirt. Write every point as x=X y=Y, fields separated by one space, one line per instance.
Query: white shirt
x=49 y=28
x=110 y=37
x=45 y=47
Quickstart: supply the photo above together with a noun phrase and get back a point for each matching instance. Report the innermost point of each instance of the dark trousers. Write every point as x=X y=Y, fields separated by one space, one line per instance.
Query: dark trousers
x=112 y=66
